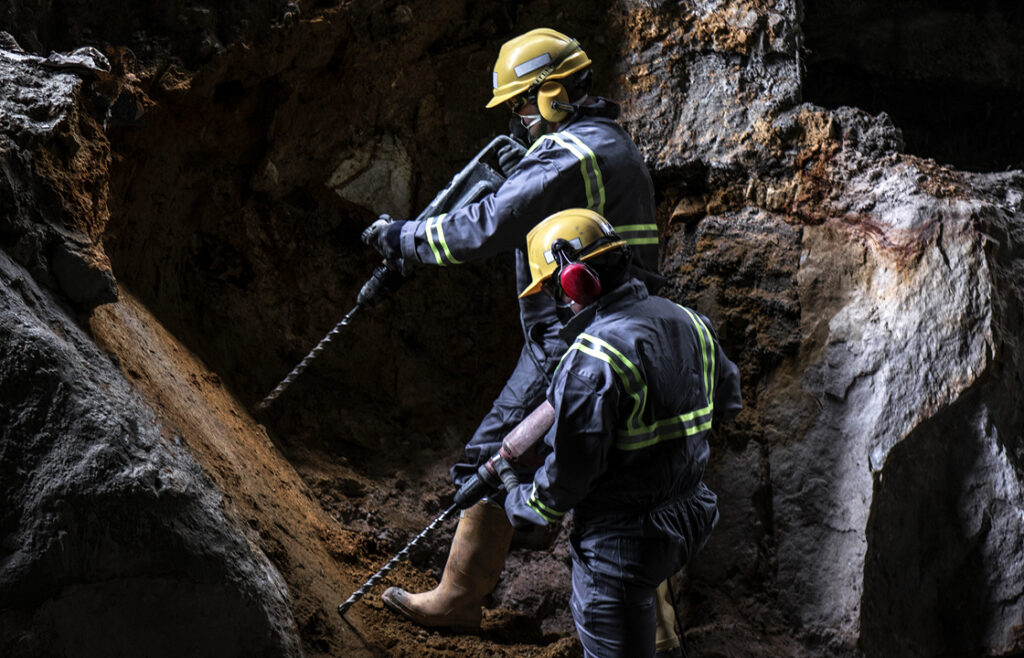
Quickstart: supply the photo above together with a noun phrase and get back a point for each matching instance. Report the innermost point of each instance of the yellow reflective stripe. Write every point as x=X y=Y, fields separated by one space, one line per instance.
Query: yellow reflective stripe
x=707 y=348
x=435 y=237
x=641 y=229
x=593 y=181
x=674 y=420
x=537 y=143
x=665 y=436
x=583 y=166
x=636 y=435
x=431 y=241
x=640 y=395
x=604 y=352
x=596 y=170
x=444 y=244
x=546 y=513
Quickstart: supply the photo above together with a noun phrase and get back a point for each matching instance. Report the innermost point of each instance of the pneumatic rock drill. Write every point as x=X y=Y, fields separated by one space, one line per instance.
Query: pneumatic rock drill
x=480 y=177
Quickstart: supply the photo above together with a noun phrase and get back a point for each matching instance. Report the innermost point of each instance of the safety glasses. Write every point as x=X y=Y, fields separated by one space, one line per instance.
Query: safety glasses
x=517 y=103
x=530 y=120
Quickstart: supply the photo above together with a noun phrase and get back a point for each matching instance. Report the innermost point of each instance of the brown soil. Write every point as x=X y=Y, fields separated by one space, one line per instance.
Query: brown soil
x=324 y=525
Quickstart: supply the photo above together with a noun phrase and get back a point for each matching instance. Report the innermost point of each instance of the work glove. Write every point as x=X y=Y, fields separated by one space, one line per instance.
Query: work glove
x=384 y=235
x=509 y=157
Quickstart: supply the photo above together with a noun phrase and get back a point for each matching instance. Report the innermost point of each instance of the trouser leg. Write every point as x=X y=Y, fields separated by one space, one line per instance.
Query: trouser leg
x=613 y=617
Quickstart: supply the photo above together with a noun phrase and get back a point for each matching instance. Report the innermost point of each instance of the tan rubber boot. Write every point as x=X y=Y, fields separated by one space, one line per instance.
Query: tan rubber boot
x=477 y=555
x=666 y=642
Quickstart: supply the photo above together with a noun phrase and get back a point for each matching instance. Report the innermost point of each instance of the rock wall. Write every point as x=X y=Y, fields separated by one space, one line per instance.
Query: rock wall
x=53 y=200
x=870 y=490
x=108 y=521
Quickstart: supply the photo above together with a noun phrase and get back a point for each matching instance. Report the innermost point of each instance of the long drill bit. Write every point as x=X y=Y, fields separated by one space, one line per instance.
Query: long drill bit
x=358 y=594
x=309 y=358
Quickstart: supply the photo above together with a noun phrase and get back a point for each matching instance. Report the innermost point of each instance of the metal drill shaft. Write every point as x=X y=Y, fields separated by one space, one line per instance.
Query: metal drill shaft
x=309 y=358
x=368 y=585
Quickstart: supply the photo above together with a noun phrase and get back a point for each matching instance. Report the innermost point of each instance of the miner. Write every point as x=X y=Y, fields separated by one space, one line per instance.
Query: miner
x=578 y=155
x=635 y=396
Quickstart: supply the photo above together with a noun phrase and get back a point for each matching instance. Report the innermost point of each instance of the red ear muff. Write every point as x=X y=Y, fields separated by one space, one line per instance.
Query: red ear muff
x=580 y=283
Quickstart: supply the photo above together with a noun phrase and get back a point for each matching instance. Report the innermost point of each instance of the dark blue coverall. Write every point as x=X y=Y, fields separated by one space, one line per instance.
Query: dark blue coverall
x=634 y=398
x=591 y=162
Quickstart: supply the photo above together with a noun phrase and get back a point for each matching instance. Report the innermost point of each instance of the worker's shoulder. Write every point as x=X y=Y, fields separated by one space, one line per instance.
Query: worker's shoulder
x=692 y=319
x=588 y=134
x=598 y=129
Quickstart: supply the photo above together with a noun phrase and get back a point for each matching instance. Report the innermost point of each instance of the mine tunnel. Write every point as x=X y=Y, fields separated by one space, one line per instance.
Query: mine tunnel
x=250 y=146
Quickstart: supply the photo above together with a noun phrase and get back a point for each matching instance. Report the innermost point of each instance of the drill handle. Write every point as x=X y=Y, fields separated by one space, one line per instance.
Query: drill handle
x=528 y=432
x=381 y=283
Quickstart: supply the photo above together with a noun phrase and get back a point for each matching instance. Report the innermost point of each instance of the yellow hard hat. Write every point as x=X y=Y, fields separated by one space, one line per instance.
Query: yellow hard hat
x=529 y=59
x=587 y=233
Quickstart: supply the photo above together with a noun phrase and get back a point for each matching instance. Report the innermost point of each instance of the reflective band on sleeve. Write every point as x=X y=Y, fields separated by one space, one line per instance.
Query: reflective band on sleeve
x=435 y=238
x=548 y=514
x=540 y=140
x=632 y=382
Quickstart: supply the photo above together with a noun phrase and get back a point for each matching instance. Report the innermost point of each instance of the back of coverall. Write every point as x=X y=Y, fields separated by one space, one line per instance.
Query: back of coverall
x=634 y=397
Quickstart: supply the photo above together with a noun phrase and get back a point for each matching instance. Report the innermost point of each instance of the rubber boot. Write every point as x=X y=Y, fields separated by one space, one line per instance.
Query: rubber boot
x=477 y=555
x=666 y=642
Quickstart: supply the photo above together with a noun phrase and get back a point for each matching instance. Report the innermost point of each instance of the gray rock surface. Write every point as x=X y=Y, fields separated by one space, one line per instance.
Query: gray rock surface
x=53 y=173
x=873 y=299
x=108 y=527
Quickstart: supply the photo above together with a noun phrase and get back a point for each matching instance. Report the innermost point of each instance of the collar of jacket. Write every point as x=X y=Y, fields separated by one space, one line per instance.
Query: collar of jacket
x=630 y=290
x=595 y=106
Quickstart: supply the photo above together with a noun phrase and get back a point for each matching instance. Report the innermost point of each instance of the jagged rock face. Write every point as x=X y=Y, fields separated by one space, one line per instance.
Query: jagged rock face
x=106 y=523
x=870 y=490
x=53 y=197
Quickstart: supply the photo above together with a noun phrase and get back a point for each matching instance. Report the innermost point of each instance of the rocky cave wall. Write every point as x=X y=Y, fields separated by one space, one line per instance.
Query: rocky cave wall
x=872 y=298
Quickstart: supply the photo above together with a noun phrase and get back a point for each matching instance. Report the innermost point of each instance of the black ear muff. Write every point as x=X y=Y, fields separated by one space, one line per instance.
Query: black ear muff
x=580 y=283
x=552 y=92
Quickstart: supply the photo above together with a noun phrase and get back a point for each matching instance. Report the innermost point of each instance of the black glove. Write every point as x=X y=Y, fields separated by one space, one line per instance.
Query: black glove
x=384 y=235
x=509 y=157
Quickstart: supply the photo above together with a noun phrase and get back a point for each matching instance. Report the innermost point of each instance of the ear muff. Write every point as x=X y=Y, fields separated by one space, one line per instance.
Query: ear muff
x=552 y=92
x=580 y=283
